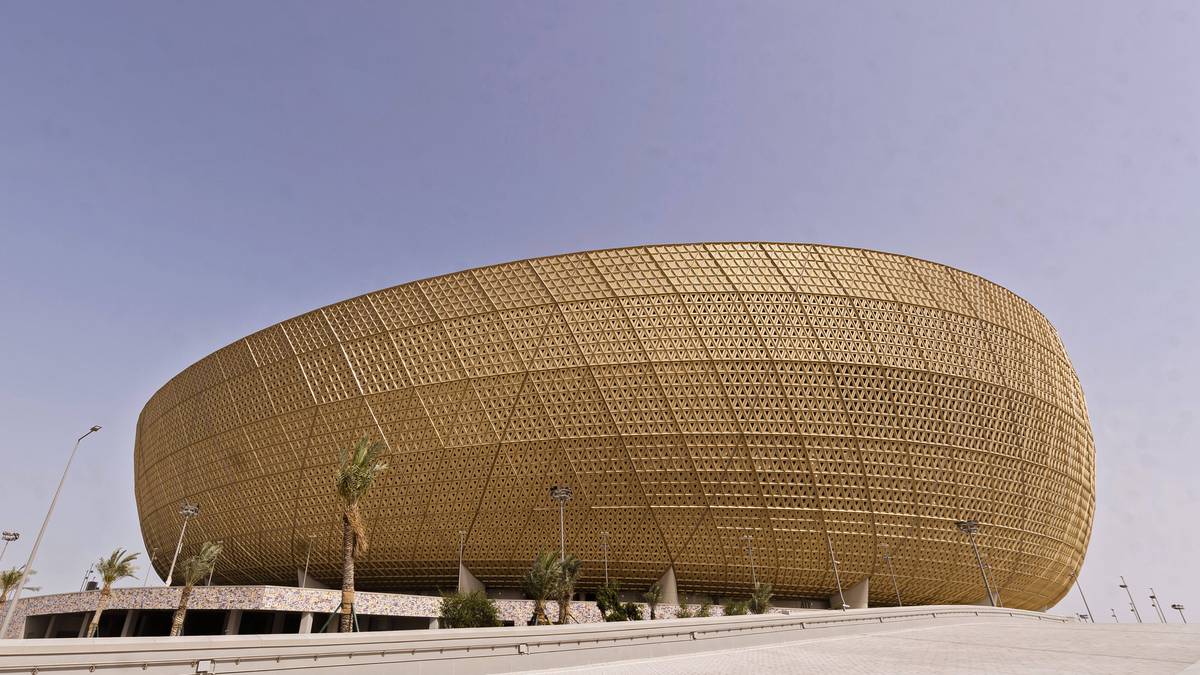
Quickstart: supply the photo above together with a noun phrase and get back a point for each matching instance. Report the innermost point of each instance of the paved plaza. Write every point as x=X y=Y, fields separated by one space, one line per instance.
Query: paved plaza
x=948 y=646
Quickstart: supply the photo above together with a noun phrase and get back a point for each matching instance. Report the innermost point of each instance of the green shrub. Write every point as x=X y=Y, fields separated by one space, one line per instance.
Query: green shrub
x=684 y=612
x=632 y=612
x=606 y=598
x=736 y=607
x=705 y=609
x=473 y=609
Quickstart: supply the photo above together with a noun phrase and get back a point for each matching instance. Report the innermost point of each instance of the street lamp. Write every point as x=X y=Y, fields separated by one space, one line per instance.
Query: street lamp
x=1114 y=615
x=1085 y=602
x=604 y=547
x=969 y=528
x=188 y=511
x=1132 y=604
x=892 y=570
x=562 y=495
x=37 y=542
x=750 y=551
x=8 y=537
x=1179 y=608
x=837 y=575
x=1154 y=603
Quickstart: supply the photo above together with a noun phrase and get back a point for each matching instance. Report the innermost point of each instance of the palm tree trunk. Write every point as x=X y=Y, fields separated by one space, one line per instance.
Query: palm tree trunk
x=346 y=623
x=177 y=620
x=101 y=603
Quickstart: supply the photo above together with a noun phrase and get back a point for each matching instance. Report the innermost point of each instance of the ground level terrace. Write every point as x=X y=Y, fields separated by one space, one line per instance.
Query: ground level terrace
x=260 y=610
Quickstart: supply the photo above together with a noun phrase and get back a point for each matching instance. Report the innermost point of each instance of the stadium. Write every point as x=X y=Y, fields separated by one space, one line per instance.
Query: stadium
x=724 y=413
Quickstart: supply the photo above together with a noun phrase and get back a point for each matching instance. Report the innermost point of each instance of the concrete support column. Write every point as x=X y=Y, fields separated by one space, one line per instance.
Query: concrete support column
x=50 y=625
x=468 y=582
x=433 y=622
x=856 y=595
x=87 y=619
x=233 y=621
x=670 y=591
x=130 y=620
x=276 y=623
x=306 y=620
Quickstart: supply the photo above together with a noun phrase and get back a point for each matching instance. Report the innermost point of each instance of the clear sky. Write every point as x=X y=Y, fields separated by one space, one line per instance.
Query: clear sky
x=174 y=176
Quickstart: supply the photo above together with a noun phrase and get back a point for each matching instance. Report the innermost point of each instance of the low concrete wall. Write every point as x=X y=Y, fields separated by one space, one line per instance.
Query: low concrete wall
x=465 y=651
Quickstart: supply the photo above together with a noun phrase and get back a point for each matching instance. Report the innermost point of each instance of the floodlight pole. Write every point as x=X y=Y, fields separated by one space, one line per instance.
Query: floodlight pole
x=892 y=570
x=1132 y=605
x=837 y=575
x=146 y=577
x=214 y=565
x=1116 y=618
x=8 y=537
x=307 y=557
x=86 y=576
x=604 y=547
x=1154 y=603
x=750 y=550
x=561 y=494
x=188 y=511
x=1179 y=608
x=1085 y=602
x=12 y=604
x=970 y=527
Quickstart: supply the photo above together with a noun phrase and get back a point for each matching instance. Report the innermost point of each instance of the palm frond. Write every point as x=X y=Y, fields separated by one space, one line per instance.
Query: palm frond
x=358 y=468
x=197 y=567
x=118 y=565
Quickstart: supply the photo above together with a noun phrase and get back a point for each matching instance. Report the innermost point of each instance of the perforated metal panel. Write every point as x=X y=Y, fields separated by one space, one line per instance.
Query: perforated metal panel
x=690 y=395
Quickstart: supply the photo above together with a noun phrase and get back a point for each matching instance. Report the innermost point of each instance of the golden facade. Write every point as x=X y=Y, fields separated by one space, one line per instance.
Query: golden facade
x=692 y=396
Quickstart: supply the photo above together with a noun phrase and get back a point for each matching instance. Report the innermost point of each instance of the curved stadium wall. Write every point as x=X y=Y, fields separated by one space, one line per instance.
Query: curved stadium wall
x=690 y=395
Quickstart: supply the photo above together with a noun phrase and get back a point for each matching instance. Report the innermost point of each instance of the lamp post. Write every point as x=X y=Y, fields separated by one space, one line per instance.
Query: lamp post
x=307 y=557
x=970 y=527
x=562 y=495
x=1116 y=619
x=188 y=511
x=837 y=575
x=1154 y=603
x=8 y=537
x=37 y=542
x=1085 y=602
x=1132 y=605
x=1179 y=608
x=604 y=547
x=892 y=570
x=86 y=575
x=750 y=551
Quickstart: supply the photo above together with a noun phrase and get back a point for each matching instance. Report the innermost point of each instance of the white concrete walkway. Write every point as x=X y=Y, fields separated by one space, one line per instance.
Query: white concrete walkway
x=985 y=645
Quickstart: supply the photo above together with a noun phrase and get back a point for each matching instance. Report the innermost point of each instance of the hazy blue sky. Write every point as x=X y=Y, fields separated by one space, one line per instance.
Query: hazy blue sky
x=174 y=176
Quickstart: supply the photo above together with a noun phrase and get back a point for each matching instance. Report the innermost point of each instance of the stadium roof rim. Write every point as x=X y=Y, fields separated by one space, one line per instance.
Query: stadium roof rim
x=620 y=248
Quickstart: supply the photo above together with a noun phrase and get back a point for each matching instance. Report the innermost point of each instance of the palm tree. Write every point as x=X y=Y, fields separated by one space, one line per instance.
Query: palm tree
x=568 y=573
x=9 y=579
x=358 y=470
x=193 y=570
x=118 y=565
x=652 y=596
x=541 y=583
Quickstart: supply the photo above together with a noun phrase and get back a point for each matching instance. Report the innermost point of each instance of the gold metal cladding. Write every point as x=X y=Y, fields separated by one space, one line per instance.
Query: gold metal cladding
x=689 y=395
